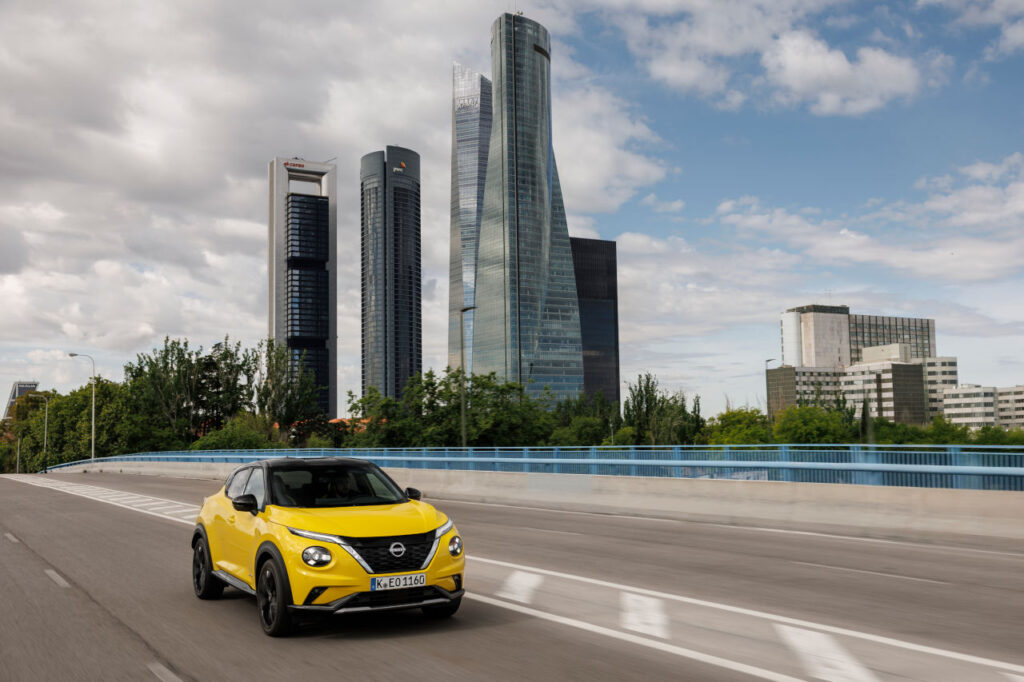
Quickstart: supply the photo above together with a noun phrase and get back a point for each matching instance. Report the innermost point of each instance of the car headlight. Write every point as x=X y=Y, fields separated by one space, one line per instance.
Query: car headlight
x=316 y=556
x=443 y=529
x=455 y=546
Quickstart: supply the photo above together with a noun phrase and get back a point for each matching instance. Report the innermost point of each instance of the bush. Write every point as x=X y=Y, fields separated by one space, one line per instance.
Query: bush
x=240 y=433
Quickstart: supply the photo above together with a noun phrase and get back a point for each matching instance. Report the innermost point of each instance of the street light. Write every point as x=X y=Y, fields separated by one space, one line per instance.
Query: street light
x=462 y=363
x=93 y=382
x=46 y=425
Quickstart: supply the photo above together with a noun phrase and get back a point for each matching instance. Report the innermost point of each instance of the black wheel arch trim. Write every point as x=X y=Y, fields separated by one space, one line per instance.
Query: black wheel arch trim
x=200 y=532
x=269 y=550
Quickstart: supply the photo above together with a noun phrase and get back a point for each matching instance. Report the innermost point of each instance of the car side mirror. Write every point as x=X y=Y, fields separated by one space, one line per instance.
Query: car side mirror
x=245 y=503
x=413 y=494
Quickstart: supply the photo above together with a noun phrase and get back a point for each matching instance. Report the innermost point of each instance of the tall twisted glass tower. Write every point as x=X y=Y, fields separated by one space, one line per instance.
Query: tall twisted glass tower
x=527 y=322
x=471 y=136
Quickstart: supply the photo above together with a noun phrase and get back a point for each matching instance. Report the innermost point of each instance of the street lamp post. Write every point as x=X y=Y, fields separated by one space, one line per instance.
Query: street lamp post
x=462 y=364
x=93 y=382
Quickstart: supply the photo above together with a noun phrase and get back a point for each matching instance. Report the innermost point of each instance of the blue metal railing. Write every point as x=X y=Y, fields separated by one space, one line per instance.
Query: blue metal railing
x=981 y=467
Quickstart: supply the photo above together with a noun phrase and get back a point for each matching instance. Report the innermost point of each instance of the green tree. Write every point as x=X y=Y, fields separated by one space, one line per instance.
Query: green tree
x=285 y=392
x=242 y=432
x=739 y=426
x=812 y=424
x=641 y=405
x=580 y=431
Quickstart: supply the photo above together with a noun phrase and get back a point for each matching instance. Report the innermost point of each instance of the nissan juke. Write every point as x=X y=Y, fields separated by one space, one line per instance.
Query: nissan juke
x=325 y=536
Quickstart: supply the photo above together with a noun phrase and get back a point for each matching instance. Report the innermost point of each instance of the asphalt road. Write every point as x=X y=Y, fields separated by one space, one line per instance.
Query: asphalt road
x=95 y=573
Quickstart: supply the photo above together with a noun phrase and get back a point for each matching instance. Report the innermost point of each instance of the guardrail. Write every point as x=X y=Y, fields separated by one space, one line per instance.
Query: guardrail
x=985 y=467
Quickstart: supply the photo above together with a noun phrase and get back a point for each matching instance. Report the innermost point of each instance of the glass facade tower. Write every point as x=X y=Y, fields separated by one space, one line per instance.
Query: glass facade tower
x=303 y=270
x=471 y=136
x=526 y=324
x=597 y=289
x=392 y=341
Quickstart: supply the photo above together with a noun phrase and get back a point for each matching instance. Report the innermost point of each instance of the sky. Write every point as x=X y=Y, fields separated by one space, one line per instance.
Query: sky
x=747 y=156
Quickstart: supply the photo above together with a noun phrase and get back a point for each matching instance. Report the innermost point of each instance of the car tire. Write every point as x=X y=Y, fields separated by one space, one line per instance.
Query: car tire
x=205 y=584
x=443 y=610
x=272 y=600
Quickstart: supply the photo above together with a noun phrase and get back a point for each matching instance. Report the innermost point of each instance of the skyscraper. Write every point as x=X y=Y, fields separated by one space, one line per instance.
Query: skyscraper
x=597 y=291
x=471 y=136
x=527 y=325
x=391 y=290
x=18 y=389
x=303 y=269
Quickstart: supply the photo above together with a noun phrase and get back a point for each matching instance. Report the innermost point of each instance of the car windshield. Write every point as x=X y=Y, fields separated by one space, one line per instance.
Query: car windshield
x=332 y=486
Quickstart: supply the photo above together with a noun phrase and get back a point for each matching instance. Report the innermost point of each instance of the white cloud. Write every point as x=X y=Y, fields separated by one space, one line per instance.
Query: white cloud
x=803 y=68
x=1006 y=15
x=658 y=206
x=705 y=49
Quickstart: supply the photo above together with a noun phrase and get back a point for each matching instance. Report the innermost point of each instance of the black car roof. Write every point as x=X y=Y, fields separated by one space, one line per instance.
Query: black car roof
x=292 y=462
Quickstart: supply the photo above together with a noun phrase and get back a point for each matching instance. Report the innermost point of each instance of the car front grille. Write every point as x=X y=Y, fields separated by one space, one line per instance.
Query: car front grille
x=376 y=552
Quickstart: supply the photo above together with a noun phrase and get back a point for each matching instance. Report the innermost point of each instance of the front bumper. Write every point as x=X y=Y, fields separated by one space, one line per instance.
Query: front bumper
x=385 y=600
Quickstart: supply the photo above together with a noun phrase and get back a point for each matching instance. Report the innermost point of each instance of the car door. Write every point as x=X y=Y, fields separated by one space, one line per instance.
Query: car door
x=223 y=533
x=247 y=528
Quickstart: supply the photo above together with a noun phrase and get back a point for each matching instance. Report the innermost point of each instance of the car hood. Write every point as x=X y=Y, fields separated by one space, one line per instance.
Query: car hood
x=406 y=518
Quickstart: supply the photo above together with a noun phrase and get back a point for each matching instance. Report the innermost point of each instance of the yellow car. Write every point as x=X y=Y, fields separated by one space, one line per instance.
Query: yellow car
x=329 y=535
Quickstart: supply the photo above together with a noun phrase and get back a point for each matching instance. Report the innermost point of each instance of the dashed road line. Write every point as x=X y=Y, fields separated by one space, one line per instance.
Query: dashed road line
x=520 y=586
x=879 y=639
x=643 y=614
x=823 y=657
x=56 y=577
x=12 y=538
x=162 y=673
x=754 y=671
x=861 y=570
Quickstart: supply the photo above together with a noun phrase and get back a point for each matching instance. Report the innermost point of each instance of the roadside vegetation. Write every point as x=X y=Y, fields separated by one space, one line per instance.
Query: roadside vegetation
x=231 y=397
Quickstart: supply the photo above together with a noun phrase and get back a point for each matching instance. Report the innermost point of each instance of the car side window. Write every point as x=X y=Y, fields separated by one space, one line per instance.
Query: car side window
x=237 y=483
x=257 y=487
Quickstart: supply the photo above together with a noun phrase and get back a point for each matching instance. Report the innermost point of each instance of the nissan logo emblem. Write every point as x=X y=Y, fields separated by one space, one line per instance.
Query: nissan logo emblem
x=397 y=549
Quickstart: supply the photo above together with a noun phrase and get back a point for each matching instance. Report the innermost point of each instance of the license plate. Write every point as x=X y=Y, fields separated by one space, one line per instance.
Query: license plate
x=397 y=582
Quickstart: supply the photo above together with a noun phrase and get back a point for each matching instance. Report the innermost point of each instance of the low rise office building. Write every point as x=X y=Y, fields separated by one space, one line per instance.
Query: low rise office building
x=976 y=406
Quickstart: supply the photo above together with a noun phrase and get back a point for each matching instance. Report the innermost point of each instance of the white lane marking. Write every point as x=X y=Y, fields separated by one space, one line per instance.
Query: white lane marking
x=113 y=503
x=56 y=577
x=167 y=508
x=162 y=673
x=643 y=614
x=636 y=639
x=831 y=536
x=12 y=538
x=861 y=570
x=823 y=657
x=520 y=586
x=880 y=639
